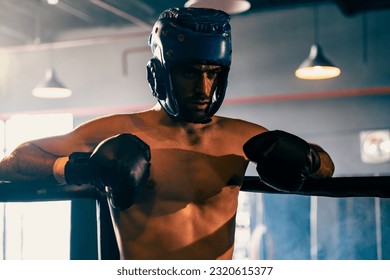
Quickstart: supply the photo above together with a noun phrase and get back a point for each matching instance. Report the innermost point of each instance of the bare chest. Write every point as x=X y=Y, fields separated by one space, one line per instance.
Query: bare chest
x=190 y=199
x=195 y=166
x=193 y=176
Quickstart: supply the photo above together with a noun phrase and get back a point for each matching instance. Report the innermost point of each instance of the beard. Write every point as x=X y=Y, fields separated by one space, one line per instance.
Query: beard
x=195 y=111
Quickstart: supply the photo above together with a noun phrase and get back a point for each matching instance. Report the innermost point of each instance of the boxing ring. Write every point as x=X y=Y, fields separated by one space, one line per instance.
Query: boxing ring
x=340 y=187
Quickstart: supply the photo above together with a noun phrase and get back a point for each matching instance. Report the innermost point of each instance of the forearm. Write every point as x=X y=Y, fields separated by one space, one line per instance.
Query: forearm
x=28 y=163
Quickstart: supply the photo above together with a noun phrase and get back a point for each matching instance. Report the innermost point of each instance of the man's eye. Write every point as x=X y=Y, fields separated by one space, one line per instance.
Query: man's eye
x=188 y=73
x=213 y=74
x=191 y=73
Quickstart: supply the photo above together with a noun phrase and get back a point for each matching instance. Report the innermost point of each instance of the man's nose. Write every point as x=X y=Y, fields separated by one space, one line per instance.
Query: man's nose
x=204 y=84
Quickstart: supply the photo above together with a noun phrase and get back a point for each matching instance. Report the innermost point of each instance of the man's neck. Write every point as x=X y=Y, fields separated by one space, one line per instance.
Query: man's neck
x=167 y=120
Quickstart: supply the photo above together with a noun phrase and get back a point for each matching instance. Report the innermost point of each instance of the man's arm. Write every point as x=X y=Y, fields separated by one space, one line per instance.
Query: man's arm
x=33 y=160
x=28 y=162
x=118 y=166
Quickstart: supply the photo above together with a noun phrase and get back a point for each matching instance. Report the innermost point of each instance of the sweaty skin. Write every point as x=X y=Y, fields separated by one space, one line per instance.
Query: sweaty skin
x=187 y=209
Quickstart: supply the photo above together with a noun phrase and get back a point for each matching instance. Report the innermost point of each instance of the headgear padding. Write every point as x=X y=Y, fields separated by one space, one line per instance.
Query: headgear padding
x=194 y=36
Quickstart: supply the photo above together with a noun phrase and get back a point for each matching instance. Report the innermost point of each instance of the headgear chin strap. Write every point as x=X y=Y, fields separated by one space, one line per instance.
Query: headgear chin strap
x=189 y=36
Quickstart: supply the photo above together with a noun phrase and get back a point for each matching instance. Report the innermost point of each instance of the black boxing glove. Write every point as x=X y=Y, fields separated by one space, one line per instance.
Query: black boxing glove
x=284 y=161
x=120 y=166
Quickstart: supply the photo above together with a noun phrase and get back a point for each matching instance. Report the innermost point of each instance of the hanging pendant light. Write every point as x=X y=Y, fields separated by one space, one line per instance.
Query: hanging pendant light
x=316 y=66
x=51 y=87
x=228 y=6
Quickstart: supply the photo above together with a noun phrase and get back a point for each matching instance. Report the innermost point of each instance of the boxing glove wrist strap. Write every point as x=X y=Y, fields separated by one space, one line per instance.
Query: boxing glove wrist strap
x=316 y=161
x=77 y=169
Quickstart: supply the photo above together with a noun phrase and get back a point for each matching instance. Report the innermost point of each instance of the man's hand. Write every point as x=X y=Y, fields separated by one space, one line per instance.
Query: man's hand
x=284 y=161
x=120 y=166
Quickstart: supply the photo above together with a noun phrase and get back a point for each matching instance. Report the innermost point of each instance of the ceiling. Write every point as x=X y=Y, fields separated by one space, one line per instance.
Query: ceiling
x=27 y=22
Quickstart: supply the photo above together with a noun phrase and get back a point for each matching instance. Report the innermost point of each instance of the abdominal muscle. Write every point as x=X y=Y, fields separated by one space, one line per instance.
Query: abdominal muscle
x=192 y=232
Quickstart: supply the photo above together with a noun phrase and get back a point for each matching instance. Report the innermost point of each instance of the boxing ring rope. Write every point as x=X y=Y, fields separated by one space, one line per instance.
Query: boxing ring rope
x=28 y=192
x=378 y=186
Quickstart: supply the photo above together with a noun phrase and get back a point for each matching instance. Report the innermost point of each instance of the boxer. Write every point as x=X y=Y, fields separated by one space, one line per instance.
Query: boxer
x=173 y=173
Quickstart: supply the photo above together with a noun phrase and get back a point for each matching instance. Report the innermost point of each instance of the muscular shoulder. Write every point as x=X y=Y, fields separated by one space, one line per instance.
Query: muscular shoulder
x=88 y=135
x=115 y=124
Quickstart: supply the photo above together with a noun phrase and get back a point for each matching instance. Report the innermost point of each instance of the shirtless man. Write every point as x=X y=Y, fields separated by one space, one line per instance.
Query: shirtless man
x=172 y=174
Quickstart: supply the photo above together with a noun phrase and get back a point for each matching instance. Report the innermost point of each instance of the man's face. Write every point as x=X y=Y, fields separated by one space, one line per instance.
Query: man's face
x=193 y=87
